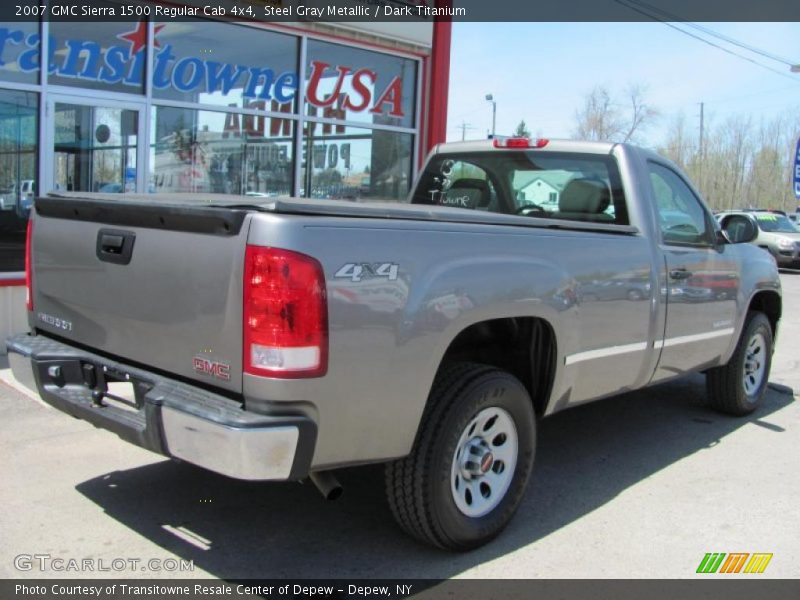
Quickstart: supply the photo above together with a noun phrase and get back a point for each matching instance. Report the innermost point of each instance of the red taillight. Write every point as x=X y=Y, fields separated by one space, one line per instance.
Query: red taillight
x=519 y=142
x=28 y=265
x=285 y=314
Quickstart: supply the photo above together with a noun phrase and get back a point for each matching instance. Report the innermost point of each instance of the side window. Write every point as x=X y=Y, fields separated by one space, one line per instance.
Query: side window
x=458 y=184
x=682 y=218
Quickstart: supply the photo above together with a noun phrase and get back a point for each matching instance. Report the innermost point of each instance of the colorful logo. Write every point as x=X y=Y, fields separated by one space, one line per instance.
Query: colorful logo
x=735 y=562
x=124 y=64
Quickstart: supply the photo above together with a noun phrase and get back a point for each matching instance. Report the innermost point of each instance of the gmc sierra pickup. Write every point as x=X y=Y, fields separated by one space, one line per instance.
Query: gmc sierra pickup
x=278 y=339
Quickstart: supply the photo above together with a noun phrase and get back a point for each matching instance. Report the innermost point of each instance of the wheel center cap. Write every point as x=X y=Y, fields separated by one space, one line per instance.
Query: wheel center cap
x=477 y=459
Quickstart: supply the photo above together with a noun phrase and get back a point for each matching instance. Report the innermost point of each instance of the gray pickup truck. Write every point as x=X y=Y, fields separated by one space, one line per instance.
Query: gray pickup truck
x=279 y=339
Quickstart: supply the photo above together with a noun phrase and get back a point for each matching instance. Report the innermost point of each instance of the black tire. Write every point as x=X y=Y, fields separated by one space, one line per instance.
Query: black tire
x=419 y=486
x=726 y=384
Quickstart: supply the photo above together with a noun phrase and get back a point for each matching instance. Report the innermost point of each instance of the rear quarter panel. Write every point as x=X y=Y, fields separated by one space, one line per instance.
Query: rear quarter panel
x=388 y=336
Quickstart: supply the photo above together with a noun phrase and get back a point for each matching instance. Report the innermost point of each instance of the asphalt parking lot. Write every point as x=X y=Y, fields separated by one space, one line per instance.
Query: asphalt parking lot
x=638 y=486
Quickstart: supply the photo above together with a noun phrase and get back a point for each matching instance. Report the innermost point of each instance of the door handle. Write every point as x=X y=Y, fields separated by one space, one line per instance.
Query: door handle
x=680 y=273
x=115 y=246
x=111 y=244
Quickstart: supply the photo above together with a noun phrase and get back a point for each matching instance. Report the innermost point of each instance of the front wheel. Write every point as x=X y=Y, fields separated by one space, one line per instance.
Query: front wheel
x=738 y=387
x=469 y=467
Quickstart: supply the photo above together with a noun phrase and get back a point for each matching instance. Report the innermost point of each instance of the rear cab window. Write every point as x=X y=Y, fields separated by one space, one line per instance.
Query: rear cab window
x=551 y=185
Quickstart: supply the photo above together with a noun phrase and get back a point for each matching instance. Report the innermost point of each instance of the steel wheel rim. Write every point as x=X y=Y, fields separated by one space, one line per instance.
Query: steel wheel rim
x=755 y=364
x=484 y=462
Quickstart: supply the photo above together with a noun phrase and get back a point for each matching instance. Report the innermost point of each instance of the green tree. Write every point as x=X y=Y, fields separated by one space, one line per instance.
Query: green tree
x=522 y=130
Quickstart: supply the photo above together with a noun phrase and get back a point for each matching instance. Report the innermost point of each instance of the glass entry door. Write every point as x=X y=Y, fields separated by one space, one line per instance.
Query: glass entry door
x=94 y=147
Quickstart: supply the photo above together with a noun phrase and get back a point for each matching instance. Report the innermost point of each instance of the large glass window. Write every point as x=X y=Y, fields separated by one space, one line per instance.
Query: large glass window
x=236 y=76
x=108 y=56
x=354 y=163
x=359 y=85
x=19 y=52
x=218 y=152
x=18 y=131
x=95 y=148
x=225 y=65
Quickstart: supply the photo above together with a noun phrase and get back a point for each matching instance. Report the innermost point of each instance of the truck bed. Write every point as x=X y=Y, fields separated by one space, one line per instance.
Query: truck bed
x=194 y=204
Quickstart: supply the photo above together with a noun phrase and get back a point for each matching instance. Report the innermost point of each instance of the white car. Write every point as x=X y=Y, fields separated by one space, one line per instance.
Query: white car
x=25 y=194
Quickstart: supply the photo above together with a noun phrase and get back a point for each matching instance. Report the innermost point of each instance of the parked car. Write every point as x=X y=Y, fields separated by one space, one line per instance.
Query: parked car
x=18 y=197
x=111 y=188
x=279 y=339
x=776 y=233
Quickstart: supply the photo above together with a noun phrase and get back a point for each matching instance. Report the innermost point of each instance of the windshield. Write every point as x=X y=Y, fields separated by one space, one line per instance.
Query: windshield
x=553 y=185
x=774 y=222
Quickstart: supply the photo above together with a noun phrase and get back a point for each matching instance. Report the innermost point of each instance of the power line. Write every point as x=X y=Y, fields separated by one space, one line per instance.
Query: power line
x=711 y=32
x=731 y=52
x=743 y=45
x=632 y=5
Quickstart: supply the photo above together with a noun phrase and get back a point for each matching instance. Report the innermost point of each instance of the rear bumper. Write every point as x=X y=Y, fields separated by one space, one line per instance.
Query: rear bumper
x=167 y=416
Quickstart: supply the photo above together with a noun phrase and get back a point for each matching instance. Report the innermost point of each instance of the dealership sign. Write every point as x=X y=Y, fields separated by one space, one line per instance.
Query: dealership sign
x=797 y=171
x=124 y=63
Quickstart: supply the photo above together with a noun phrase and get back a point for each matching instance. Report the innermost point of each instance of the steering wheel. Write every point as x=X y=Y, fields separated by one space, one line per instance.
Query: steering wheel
x=529 y=208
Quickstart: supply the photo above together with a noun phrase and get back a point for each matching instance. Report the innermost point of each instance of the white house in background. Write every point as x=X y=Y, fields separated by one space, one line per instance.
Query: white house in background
x=540 y=192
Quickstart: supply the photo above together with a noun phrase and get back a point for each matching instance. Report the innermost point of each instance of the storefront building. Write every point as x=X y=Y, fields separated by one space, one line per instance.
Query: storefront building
x=203 y=106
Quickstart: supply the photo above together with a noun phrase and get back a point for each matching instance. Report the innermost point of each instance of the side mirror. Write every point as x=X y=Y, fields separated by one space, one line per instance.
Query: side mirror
x=740 y=229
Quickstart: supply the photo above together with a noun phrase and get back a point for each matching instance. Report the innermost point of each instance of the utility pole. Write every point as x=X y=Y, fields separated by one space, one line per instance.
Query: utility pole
x=702 y=124
x=463 y=127
x=702 y=141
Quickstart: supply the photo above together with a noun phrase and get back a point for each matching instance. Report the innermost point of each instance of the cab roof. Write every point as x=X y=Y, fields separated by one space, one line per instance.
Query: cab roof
x=553 y=145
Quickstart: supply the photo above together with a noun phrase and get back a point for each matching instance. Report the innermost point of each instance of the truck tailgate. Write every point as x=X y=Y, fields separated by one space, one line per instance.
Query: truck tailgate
x=150 y=283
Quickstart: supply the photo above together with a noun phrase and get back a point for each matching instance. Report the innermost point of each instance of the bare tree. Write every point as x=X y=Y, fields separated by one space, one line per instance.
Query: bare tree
x=642 y=114
x=743 y=164
x=678 y=146
x=602 y=117
x=599 y=117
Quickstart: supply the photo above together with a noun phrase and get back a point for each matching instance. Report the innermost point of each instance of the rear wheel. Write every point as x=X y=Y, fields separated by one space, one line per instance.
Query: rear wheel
x=468 y=470
x=738 y=387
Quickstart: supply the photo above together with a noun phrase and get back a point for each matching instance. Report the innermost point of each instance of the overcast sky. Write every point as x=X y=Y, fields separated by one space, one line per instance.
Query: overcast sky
x=541 y=71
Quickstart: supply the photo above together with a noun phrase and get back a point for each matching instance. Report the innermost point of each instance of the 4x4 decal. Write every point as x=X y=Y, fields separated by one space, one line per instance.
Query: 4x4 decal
x=360 y=271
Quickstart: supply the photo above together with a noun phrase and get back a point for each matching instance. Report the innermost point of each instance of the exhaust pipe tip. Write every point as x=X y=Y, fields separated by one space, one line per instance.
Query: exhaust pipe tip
x=327 y=484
